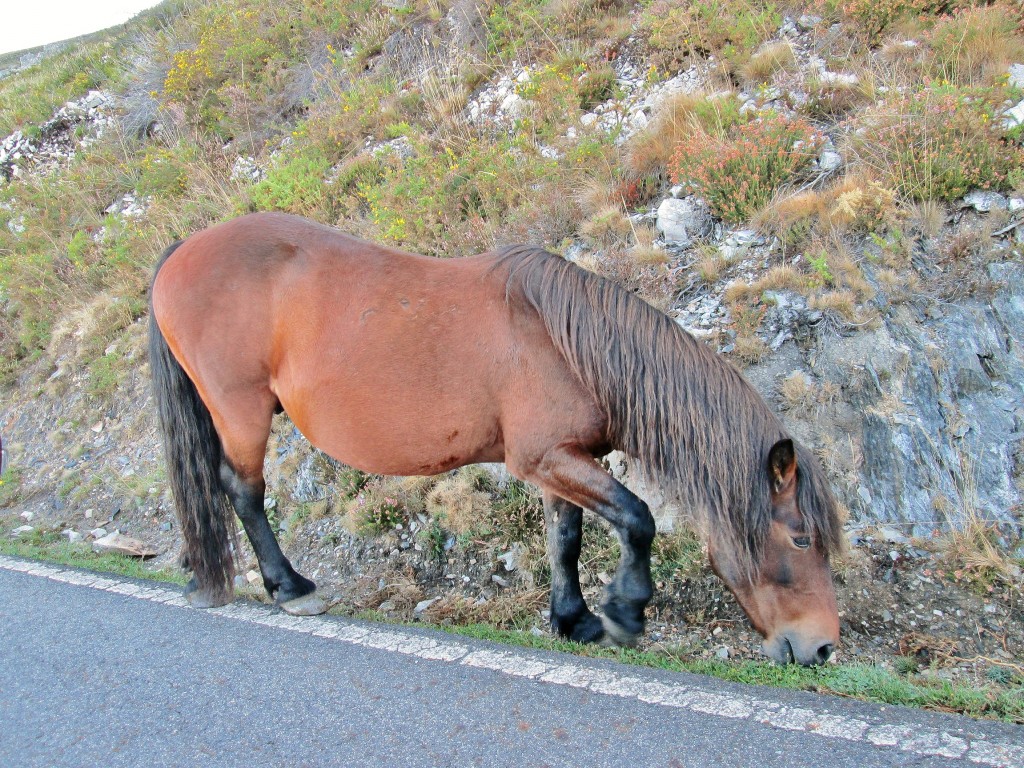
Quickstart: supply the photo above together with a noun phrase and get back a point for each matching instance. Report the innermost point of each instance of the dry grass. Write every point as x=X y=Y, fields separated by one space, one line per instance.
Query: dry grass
x=772 y=58
x=971 y=550
x=791 y=218
x=514 y=611
x=845 y=269
x=841 y=305
x=648 y=255
x=800 y=394
x=710 y=267
x=976 y=46
x=781 y=278
x=608 y=227
x=461 y=502
x=833 y=100
x=749 y=349
x=898 y=285
x=927 y=217
x=595 y=194
x=644 y=251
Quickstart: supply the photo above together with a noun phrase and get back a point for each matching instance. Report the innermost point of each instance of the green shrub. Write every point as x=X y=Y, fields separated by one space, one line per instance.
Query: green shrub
x=295 y=184
x=727 y=29
x=873 y=18
x=937 y=145
x=163 y=171
x=738 y=174
x=443 y=196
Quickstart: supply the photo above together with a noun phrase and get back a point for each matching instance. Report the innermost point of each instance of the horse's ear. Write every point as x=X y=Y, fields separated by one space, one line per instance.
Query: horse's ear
x=782 y=465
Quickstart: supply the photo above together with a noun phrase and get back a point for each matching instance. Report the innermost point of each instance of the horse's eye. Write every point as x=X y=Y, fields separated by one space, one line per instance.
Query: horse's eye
x=803 y=542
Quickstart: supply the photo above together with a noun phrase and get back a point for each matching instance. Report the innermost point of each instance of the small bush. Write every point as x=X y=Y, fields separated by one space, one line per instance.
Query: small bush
x=457 y=196
x=834 y=99
x=974 y=46
x=609 y=226
x=873 y=18
x=861 y=205
x=597 y=84
x=936 y=145
x=738 y=175
x=729 y=29
x=518 y=511
x=295 y=184
x=386 y=502
x=163 y=171
x=676 y=120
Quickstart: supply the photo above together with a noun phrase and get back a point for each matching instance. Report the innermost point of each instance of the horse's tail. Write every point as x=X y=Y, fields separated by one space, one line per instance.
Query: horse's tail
x=192 y=450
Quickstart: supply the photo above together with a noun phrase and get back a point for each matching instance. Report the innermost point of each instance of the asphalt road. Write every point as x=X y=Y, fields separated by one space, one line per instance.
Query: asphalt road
x=105 y=671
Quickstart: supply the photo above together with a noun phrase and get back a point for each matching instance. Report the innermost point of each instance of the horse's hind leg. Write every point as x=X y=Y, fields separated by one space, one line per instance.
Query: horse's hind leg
x=241 y=474
x=572 y=474
x=570 y=616
x=292 y=591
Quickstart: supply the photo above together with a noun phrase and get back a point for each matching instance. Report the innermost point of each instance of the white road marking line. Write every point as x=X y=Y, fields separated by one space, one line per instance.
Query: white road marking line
x=920 y=741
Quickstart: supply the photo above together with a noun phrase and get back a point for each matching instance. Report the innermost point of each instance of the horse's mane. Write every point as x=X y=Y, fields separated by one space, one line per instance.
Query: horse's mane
x=695 y=425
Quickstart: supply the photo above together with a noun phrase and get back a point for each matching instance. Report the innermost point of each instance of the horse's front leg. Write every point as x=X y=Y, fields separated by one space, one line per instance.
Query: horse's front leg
x=570 y=616
x=571 y=473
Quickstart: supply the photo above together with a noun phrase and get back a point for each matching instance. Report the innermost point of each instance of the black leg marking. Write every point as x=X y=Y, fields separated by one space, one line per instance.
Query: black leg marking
x=282 y=582
x=571 y=473
x=570 y=617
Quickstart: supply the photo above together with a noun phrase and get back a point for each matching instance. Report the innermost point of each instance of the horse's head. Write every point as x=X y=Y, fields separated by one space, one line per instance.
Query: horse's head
x=790 y=599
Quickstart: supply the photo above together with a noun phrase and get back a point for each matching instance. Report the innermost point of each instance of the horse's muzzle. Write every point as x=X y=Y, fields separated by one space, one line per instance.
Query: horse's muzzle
x=807 y=653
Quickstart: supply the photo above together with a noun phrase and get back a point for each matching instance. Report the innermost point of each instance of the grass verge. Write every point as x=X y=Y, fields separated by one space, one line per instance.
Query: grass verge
x=859 y=681
x=51 y=547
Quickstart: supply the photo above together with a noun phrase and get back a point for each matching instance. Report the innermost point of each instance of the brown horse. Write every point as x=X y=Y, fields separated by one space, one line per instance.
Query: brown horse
x=400 y=364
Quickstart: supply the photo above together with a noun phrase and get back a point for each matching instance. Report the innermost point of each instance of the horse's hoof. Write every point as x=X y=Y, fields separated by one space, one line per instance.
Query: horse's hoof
x=615 y=635
x=587 y=629
x=205 y=598
x=307 y=605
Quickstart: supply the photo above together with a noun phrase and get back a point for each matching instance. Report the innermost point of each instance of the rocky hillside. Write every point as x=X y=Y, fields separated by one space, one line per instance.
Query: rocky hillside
x=830 y=194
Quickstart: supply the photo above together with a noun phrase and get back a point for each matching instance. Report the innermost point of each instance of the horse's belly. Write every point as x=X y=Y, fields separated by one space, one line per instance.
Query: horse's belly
x=400 y=430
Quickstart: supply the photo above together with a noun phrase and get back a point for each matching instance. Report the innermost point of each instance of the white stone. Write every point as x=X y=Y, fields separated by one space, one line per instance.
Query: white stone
x=118 y=543
x=22 y=529
x=512 y=105
x=1015 y=204
x=984 y=201
x=1014 y=116
x=680 y=221
x=838 y=78
x=73 y=536
x=1016 y=76
x=830 y=161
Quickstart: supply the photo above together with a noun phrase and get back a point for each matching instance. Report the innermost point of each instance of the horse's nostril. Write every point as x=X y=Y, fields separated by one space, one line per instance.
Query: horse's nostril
x=824 y=652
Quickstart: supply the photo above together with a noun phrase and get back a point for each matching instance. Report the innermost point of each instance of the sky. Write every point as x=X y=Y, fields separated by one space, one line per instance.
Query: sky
x=28 y=23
